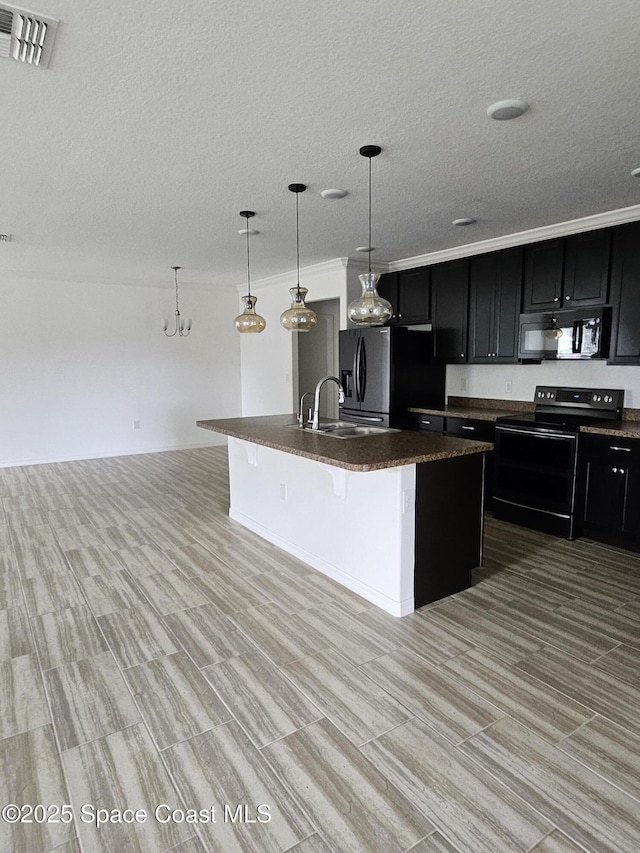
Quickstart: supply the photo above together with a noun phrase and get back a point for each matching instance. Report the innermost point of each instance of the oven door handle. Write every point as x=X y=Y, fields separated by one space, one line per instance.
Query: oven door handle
x=554 y=435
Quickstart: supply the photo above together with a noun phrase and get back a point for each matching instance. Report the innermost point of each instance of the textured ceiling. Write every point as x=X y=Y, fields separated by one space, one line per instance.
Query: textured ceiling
x=156 y=123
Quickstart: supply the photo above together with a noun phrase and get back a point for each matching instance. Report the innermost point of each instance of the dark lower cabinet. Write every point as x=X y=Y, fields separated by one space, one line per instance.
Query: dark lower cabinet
x=425 y=422
x=610 y=471
x=448 y=538
x=471 y=428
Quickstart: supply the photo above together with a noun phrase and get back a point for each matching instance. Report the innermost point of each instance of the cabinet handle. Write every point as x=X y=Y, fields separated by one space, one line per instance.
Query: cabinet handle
x=425 y=422
x=625 y=449
x=468 y=427
x=461 y=355
x=556 y=299
x=622 y=470
x=567 y=298
x=614 y=470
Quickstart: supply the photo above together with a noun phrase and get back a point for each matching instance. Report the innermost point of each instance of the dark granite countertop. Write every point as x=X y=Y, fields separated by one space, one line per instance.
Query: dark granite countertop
x=462 y=412
x=368 y=453
x=480 y=408
x=489 y=410
x=623 y=429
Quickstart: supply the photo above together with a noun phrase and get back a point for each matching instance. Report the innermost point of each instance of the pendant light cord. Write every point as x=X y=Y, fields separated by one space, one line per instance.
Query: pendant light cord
x=175 y=270
x=369 y=243
x=297 y=245
x=248 y=264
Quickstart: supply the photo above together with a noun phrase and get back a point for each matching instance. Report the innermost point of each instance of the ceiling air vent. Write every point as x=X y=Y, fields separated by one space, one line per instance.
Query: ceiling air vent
x=26 y=36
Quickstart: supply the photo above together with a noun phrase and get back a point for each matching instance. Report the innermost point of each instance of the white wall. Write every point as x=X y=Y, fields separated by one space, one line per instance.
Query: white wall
x=269 y=360
x=488 y=380
x=81 y=362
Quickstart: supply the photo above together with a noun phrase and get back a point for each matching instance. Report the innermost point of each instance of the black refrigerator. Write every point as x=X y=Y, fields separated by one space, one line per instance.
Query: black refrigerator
x=384 y=370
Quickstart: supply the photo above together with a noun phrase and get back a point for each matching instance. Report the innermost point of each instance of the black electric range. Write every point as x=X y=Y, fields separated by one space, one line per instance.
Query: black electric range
x=535 y=459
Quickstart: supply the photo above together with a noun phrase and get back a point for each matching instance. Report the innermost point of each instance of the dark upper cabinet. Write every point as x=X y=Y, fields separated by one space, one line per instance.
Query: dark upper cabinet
x=495 y=292
x=567 y=272
x=388 y=289
x=543 y=263
x=586 y=268
x=414 y=295
x=625 y=295
x=409 y=293
x=450 y=310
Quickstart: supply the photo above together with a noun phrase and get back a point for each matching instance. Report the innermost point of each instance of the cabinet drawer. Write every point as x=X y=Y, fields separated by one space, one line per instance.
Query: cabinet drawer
x=428 y=423
x=471 y=428
x=609 y=448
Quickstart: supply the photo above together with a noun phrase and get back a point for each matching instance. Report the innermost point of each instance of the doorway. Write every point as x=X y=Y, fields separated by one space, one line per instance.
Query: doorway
x=318 y=356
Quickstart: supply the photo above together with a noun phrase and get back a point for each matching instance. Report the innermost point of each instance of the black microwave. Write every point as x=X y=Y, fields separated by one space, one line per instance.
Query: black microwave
x=577 y=334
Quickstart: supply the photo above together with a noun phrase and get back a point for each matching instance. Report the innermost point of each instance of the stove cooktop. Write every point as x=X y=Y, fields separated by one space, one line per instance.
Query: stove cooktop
x=568 y=421
x=569 y=408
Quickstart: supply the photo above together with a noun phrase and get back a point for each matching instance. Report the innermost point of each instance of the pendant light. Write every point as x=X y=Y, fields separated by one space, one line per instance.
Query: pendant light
x=249 y=321
x=370 y=309
x=298 y=318
x=182 y=328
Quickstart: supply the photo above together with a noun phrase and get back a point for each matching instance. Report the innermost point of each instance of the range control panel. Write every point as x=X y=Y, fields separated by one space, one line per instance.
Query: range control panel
x=609 y=399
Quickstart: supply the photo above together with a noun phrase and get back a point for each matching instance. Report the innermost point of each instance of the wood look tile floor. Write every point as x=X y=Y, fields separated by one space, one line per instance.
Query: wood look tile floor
x=154 y=653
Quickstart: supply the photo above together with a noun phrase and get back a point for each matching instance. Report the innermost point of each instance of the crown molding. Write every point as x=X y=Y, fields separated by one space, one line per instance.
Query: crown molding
x=361 y=265
x=290 y=278
x=533 y=235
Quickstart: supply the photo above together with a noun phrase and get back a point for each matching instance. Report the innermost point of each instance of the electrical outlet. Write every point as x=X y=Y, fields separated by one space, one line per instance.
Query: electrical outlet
x=408 y=500
x=136 y=424
x=463 y=383
x=508 y=386
x=5 y=238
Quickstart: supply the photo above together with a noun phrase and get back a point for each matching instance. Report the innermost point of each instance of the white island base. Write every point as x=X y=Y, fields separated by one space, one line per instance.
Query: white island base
x=357 y=527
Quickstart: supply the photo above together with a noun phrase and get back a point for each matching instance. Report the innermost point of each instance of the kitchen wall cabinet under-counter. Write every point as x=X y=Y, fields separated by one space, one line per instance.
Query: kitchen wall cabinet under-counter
x=567 y=272
x=610 y=470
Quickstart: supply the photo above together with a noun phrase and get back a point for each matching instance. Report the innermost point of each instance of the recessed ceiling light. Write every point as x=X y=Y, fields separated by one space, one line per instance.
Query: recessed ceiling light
x=636 y=173
x=365 y=249
x=333 y=193
x=464 y=220
x=250 y=231
x=505 y=110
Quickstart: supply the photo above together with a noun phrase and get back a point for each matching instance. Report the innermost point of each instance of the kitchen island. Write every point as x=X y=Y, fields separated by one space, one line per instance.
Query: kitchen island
x=395 y=517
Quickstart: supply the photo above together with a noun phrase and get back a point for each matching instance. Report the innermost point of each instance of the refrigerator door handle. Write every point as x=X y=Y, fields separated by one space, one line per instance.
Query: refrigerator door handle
x=363 y=373
x=356 y=372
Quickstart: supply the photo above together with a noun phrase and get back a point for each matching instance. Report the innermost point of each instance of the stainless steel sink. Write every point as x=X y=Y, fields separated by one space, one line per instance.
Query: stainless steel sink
x=346 y=429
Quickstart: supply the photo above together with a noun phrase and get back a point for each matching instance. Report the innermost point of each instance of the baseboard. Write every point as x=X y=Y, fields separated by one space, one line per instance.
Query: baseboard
x=217 y=442
x=395 y=608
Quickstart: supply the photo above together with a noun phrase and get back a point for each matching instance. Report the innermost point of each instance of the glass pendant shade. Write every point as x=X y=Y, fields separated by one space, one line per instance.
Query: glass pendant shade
x=370 y=309
x=249 y=321
x=298 y=318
